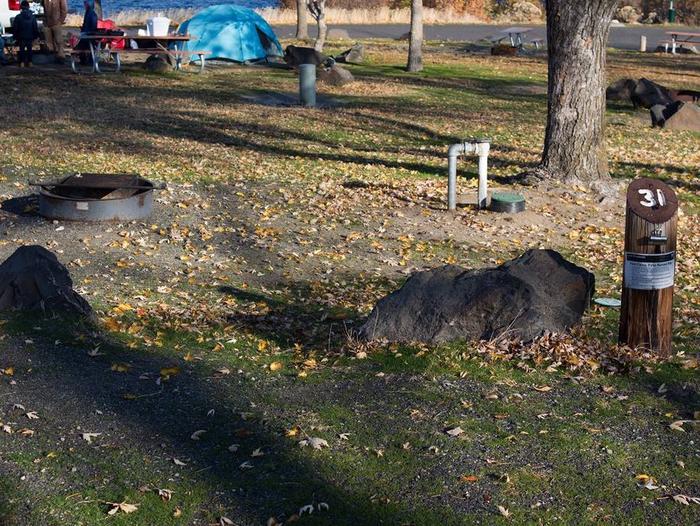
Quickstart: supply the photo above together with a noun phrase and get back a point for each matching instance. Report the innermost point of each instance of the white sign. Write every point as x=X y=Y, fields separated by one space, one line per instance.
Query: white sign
x=82 y=205
x=649 y=271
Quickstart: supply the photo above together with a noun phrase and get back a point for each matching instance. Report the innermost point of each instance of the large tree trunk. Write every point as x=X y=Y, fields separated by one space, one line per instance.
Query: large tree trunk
x=415 y=46
x=577 y=37
x=302 y=22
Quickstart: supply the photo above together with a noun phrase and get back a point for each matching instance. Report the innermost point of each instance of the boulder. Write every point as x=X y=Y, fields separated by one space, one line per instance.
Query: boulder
x=685 y=117
x=621 y=90
x=338 y=34
x=523 y=12
x=354 y=55
x=335 y=75
x=628 y=14
x=32 y=279
x=648 y=94
x=652 y=18
x=536 y=293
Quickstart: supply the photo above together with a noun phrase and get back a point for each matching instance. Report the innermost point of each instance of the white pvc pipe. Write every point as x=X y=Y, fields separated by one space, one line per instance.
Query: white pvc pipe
x=480 y=147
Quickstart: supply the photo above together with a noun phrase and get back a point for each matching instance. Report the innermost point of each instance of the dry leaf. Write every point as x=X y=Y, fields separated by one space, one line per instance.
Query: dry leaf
x=503 y=511
x=197 y=434
x=314 y=442
x=454 y=432
x=122 y=507
x=276 y=366
x=468 y=478
x=89 y=436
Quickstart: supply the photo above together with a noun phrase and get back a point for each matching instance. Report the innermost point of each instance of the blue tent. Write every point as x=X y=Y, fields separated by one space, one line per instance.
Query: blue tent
x=230 y=32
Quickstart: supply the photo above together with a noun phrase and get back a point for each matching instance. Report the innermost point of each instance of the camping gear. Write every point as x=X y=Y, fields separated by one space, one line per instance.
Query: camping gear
x=157 y=26
x=231 y=32
x=97 y=197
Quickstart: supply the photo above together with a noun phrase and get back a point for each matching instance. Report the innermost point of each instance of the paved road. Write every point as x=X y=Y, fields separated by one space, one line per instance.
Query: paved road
x=620 y=37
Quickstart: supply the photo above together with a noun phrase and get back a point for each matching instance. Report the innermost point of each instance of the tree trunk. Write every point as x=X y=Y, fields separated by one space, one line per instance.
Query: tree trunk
x=302 y=22
x=415 y=46
x=322 y=27
x=577 y=37
x=98 y=9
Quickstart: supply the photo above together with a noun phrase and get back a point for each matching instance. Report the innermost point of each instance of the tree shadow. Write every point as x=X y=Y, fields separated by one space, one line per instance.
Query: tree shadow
x=157 y=423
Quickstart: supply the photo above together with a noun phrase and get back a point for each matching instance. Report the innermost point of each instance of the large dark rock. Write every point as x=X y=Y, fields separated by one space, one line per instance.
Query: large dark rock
x=621 y=90
x=648 y=93
x=538 y=292
x=32 y=279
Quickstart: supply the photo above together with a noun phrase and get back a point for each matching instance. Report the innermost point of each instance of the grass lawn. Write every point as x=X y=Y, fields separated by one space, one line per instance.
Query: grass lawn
x=225 y=349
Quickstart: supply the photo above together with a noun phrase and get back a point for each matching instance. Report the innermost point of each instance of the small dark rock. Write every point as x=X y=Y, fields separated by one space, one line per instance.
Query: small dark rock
x=294 y=56
x=156 y=64
x=536 y=293
x=32 y=279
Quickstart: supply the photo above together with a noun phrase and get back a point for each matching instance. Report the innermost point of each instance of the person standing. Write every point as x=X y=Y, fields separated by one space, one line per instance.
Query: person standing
x=26 y=31
x=56 y=12
x=88 y=28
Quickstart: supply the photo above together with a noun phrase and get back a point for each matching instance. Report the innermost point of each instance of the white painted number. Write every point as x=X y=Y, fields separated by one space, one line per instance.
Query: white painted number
x=648 y=198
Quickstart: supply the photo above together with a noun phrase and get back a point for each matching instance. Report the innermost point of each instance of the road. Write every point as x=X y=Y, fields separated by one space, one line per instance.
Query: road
x=620 y=37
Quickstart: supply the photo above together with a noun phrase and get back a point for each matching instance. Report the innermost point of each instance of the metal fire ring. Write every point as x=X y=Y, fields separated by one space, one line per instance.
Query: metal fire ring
x=97 y=197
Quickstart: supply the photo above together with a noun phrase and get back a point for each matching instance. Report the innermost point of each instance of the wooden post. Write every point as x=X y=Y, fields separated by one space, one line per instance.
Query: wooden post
x=650 y=261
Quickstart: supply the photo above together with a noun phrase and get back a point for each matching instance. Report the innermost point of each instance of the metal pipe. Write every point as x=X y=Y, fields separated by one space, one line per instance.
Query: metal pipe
x=307 y=85
x=480 y=147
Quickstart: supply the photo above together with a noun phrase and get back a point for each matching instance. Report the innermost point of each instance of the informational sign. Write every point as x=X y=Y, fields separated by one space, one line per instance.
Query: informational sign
x=649 y=271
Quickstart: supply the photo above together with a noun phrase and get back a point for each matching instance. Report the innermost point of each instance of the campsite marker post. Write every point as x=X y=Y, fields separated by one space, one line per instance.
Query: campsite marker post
x=650 y=262
x=307 y=84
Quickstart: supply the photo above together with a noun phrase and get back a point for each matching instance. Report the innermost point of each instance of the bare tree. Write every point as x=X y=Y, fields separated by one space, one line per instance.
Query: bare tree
x=577 y=37
x=415 y=46
x=318 y=11
x=302 y=22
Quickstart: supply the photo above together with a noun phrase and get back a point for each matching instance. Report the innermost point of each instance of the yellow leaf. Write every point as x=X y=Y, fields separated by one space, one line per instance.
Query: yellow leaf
x=292 y=432
x=468 y=478
x=120 y=367
x=111 y=324
x=188 y=357
x=10 y=371
x=167 y=372
x=276 y=366
x=262 y=345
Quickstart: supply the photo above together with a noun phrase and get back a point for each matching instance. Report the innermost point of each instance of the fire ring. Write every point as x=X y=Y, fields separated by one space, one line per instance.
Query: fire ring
x=97 y=197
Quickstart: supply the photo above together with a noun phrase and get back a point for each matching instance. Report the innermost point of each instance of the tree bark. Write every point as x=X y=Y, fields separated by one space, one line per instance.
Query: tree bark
x=302 y=21
x=415 y=46
x=577 y=37
x=318 y=11
x=98 y=9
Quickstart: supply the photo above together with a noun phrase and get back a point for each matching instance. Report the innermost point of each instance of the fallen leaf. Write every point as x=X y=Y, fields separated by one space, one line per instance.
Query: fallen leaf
x=198 y=434
x=122 y=507
x=89 y=436
x=314 y=442
x=276 y=366
x=32 y=415
x=120 y=367
x=503 y=511
x=165 y=494
x=167 y=372
x=542 y=388
x=179 y=462
x=468 y=478
x=454 y=432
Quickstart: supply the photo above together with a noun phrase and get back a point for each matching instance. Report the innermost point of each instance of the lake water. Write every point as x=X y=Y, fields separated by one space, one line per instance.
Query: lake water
x=113 y=6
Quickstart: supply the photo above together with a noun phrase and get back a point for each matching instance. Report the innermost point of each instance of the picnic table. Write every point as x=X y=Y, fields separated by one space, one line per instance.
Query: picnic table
x=682 y=37
x=516 y=34
x=101 y=49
